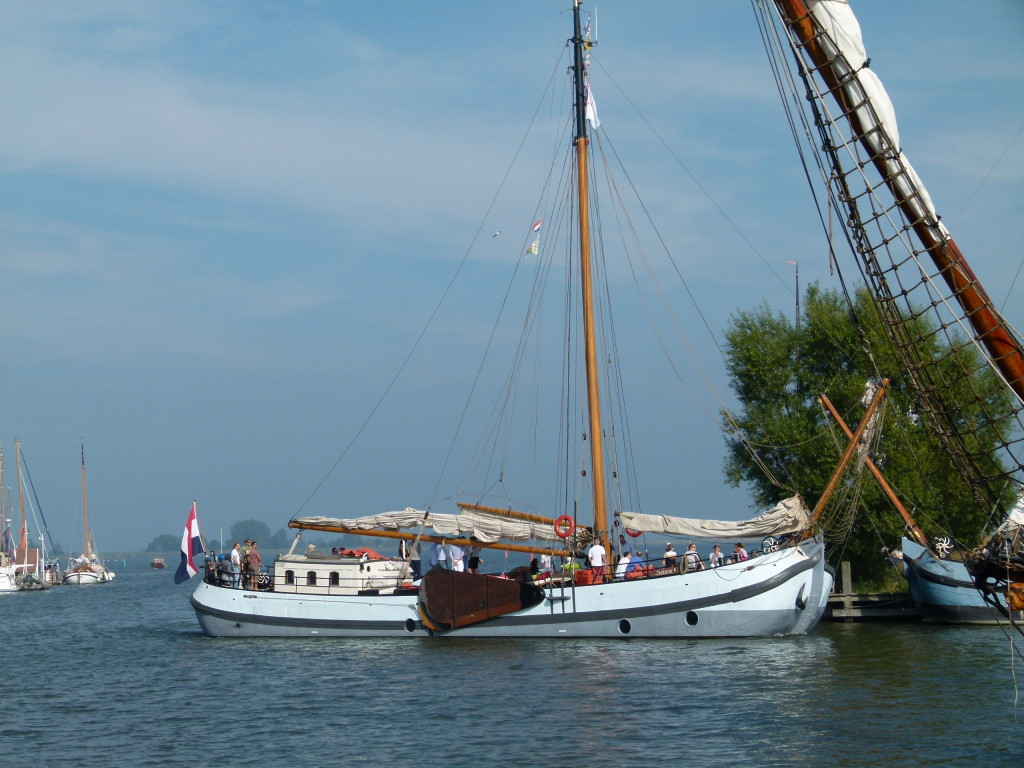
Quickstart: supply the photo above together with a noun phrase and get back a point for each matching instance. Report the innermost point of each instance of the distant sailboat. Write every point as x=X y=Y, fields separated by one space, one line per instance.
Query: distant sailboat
x=8 y=573
x=88 y=568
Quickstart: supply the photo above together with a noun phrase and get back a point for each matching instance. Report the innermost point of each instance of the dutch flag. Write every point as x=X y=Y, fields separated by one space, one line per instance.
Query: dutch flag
x=191 y=545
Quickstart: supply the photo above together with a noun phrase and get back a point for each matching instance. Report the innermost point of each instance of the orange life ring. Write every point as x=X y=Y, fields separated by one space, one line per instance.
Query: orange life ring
x=564 y=526
x=633 y=533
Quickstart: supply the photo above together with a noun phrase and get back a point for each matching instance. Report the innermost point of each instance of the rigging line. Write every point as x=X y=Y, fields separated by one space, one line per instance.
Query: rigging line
x=733 y=425
x=694 y=179
x=38 y=506
x=501 y=412
x=788 y=94
x=981 y=183
x=782 y=75
x=504 y=301
x=988 y=174
x=430 y=319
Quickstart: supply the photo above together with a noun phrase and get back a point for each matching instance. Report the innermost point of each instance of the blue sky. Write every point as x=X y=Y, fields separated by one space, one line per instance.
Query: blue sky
x=224 y=225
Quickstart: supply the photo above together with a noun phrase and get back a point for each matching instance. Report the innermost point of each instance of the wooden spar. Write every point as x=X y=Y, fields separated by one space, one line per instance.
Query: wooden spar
x=410 y=536
x=848 y=453
x=587 y=286
x=990 y=329
x=85 y=508
x=886 y=488
x=23 y=531
x=510 y=513
x=506 y=513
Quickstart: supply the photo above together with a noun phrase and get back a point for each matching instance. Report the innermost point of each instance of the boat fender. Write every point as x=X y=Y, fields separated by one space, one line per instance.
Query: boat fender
x=564 y=527
x=633 y=533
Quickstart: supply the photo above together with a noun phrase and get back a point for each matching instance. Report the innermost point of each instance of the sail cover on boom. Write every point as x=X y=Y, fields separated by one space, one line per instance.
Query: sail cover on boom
x=788 y=516
x=487 y=528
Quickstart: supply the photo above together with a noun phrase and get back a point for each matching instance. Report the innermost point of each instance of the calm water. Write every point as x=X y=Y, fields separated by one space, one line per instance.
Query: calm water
x=119 y=675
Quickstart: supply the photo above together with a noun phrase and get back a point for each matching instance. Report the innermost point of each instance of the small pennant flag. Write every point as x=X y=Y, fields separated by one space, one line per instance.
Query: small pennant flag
x=191 y=545
x=534 y=246
x=536 y=225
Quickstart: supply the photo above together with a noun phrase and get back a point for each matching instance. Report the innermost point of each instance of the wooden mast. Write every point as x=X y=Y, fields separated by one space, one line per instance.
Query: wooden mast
x=587 y=285
x=989 y=327
x=23 y=531
x=85 y=507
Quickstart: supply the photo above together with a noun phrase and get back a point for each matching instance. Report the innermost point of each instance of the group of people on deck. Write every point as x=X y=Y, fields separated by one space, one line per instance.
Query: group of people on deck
x=715 y=557
x=456 y=558
x=238 y=568
x=630 y=561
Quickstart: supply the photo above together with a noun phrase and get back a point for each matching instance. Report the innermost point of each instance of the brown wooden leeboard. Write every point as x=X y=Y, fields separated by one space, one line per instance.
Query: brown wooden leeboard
x=452 y=599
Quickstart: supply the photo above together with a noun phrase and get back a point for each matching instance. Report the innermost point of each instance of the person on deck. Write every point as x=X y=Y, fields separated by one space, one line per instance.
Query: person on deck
x=670 y=556
x=457 y=554
x=545 y=563
x=739 y=554
x=636 y=563
x=620 y=569
x=623 y=545
x=246 y=573
x=693 y=561
x=596 y=557
x=437 y=556
x=254 y=565
x=474 y=557
x=236 y=566
x=716 y=557
x=414 y=559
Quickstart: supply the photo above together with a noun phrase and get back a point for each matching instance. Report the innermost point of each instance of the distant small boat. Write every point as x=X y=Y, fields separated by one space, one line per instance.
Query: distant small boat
x=158 y=562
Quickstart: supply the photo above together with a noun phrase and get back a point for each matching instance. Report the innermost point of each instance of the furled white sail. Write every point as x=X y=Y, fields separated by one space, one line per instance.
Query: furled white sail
x=488 y=528
x=788 y=516
x=871 y=105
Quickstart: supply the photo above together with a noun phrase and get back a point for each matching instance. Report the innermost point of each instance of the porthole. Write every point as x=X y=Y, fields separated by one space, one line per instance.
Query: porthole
x=691 y=619
x=624 y=626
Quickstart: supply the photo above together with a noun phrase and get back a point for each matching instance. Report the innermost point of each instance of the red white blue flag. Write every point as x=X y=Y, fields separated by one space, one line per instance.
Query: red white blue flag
x=536 y=225
x=191 y=545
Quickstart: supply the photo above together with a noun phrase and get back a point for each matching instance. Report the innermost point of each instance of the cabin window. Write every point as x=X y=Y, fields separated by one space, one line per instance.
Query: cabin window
x=311 y=578
x=335 y=579
x=289 y=577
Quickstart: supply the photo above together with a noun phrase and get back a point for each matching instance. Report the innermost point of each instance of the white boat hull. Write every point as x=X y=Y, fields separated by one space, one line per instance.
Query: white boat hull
x=84 y=577
x=781 y=593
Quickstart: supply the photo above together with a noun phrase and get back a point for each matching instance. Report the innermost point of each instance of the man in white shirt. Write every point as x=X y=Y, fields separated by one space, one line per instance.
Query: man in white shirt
x=596 y=556
x=620 y=569
x=236 y=566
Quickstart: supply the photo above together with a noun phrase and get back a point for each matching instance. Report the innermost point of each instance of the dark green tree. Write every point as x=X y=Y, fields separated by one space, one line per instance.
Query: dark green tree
x=782 y=440
x=249 y=529
x=164 y=543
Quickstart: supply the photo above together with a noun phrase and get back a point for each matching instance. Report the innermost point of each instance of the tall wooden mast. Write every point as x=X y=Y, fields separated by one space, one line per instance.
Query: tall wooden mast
x=586 y=280
x=23 y=530
x=990 y=329
x=85 y=509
